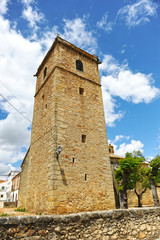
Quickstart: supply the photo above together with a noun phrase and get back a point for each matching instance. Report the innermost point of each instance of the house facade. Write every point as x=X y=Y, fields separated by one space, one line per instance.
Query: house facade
x=6 y=187
x=3 y=188
x=15 y=188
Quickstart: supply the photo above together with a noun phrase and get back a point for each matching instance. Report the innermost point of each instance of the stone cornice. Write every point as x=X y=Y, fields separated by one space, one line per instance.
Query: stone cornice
x=89 y=80
x=60 y=40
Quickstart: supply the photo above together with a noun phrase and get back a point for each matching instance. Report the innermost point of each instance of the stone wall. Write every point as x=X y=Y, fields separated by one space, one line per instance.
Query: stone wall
x=142 y=223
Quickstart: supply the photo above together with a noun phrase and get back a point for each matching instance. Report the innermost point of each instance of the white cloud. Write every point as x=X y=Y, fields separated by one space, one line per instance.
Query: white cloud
x=19 y=59
x=110 y=65
x=104 y=24
x=5 y=169
x=122 y=82
x=27 y=2
x=138 y=13
x=48 y=37
x=110 y=108
x=119 y=81
x=123 y=50
x=75 y=32
x=120 y=137
x=3 y=6
x=123 y=148
x=33 y=16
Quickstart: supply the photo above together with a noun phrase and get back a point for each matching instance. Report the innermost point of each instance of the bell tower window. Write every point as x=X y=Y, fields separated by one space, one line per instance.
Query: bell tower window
x=45 y=73
x=79 y=65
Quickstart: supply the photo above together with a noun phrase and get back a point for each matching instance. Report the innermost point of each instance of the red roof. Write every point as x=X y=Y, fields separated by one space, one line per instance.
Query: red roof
x=1 y=181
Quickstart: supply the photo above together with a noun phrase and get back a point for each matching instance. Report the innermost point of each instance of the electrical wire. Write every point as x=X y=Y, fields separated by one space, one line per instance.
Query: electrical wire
x=15 y=108
x=12 y=94
x=27 y=119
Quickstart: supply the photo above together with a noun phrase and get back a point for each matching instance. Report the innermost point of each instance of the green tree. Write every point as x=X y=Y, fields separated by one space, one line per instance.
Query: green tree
x=154 y=178
x=142 y=184
x=127 y=175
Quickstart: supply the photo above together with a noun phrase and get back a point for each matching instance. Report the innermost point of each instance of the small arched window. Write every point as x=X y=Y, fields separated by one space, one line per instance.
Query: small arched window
x=79 y=65
x=45 y=73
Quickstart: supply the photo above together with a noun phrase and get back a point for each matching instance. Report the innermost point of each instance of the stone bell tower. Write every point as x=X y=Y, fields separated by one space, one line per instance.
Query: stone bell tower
x=67 y=168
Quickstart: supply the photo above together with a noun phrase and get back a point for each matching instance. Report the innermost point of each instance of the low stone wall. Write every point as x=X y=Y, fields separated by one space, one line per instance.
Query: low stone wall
x=143 y=223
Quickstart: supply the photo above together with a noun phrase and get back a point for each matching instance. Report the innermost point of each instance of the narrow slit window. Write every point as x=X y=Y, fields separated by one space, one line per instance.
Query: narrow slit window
x=79 y=65
x=83 y=138
x=85 y=177
x=73 y=160
x=81 y=91
x=43 y=96
x=46 y=105
x=45 y=73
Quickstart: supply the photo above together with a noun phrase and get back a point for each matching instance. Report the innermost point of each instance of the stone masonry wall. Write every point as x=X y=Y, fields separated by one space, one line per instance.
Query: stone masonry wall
x=80 y=179
x=142 y=223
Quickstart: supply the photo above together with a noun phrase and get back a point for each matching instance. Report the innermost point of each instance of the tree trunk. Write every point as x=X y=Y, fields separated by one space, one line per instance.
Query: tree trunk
x=139 y=201
x=123 y=199
x=116 y=195
x=140 y=197
x=154 y=192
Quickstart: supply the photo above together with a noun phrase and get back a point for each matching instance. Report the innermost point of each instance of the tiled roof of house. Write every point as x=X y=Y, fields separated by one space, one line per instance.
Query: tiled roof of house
x=1 y=181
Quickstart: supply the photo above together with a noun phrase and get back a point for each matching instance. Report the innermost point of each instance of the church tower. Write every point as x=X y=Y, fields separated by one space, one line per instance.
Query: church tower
x=67 y=168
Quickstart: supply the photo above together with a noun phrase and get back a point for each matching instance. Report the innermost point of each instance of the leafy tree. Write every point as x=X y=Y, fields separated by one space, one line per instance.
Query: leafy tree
x=142 y=184
x=127 y=175
x=154 y=178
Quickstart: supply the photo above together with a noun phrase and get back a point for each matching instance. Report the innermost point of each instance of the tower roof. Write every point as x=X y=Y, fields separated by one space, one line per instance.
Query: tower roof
x=58 y=39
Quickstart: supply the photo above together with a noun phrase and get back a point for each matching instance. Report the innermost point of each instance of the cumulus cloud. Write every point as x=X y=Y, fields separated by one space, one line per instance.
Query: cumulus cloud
x=3 y=6
x=5 y=169
x=120 y=137
x=130 y=147
x=75 y=31
x=48 y=37
x=105 y=24
x=123 y=83
x=138 y=13
x=17 y=69
x=32 y=15
x=119 y=81
x=110 y=108
x=122 y=149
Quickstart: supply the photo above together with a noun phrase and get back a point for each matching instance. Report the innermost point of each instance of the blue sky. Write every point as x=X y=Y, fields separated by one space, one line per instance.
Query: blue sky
x=124 y=34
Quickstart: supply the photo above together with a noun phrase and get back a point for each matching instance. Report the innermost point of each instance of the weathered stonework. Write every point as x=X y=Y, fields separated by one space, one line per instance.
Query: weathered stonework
x=130 y=224
x=80 y=179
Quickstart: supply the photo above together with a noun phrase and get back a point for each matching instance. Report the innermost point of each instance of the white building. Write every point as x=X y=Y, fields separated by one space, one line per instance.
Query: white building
x=3 y=188
x=11 y=175
x=15 y=188
x=6 y=187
